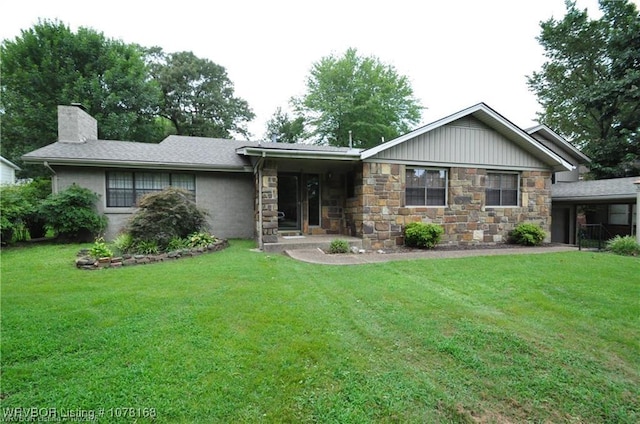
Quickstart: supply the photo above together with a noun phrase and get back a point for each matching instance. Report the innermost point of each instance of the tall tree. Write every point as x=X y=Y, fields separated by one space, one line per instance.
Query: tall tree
x=49 y=65
x=357 y=94
x=284 y=128
x=589 y=87
x=198 y=96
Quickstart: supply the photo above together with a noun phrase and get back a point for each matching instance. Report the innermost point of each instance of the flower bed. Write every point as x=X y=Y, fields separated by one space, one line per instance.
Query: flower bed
x=84 y=261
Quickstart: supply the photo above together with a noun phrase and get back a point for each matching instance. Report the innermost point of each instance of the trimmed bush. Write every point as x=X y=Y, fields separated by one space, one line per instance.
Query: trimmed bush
x=527 y=234
x=626 y=245
x=422 y=235
x=72 y=214
x=339 y=246
x=165 y=215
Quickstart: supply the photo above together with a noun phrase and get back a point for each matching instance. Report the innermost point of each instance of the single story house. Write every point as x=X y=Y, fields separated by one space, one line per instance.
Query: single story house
x=474 y=172
x=7 y=171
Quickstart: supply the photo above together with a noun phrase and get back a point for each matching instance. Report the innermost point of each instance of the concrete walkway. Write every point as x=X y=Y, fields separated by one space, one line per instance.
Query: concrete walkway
x=317 y=256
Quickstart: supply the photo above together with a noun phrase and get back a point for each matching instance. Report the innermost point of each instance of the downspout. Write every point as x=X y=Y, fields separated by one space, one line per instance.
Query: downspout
x=258 y=168
x=54 y=179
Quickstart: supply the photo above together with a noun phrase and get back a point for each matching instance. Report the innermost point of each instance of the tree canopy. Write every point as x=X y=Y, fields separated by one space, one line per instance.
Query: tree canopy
x=358 y=94
x=589 y=87
x=49 y=65
x=284 y=128
x=198 y=96
x=133 y=92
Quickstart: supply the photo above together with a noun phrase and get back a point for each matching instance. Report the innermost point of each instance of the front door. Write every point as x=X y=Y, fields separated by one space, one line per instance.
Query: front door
x=289 y=202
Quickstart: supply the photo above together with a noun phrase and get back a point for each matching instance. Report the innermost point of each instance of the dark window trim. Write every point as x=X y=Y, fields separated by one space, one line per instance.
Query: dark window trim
x=426 y=194
x=134 y=190
x=501 y=203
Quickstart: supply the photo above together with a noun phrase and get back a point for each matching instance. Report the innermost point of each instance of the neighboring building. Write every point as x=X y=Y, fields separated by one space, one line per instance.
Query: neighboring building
x=7 y=171
x=474 y=172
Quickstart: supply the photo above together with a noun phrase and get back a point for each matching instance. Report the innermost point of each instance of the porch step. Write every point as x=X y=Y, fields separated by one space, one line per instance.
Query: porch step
x=308 y=242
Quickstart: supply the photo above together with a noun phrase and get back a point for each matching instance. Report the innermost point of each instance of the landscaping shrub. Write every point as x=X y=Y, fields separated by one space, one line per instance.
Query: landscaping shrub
x=626 y=245
x=165 y=215
x=339 y=246
x=72 y=214
x=527 y=234
x=20 y=215
x=422 y=235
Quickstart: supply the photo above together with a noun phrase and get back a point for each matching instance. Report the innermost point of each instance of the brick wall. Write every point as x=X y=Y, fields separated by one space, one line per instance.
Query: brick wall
x=379 y=215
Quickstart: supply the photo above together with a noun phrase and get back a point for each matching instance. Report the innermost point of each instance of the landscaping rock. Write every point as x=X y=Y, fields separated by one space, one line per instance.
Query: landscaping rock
x=84 y=261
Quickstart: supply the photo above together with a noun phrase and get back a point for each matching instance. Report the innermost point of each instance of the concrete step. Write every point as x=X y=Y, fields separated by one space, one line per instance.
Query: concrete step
x=308 y=242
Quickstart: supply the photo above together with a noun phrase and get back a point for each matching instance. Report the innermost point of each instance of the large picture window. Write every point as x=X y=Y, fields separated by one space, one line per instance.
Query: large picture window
x=124 y=188
x=502 y=189
x=426 y=187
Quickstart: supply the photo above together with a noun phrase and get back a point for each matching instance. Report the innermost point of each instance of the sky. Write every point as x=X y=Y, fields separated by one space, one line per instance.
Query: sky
x=454 y=53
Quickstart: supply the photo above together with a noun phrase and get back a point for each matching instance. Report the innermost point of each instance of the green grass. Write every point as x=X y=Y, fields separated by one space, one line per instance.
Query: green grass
x=240 y=336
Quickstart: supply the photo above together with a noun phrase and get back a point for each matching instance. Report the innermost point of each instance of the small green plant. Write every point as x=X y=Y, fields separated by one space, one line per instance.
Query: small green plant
x=339 y=246
x=422 y=235
x=200 y=239
x=123 y=243
x=626 y=245
x=146 y=247
x=527 y=234
x=177 y=243
x=100 y=249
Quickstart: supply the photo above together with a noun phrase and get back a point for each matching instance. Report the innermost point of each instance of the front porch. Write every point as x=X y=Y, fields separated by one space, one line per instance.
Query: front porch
x=321 y=241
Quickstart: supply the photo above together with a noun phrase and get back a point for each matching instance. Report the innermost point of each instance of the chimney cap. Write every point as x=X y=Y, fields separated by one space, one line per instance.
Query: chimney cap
x=79 y=105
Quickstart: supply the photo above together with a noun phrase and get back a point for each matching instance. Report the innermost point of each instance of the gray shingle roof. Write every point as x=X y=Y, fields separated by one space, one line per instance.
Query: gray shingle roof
x=174 y=151
x=611 y=189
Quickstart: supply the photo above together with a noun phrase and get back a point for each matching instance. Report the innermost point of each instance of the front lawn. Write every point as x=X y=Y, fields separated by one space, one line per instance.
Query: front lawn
x=241 y=336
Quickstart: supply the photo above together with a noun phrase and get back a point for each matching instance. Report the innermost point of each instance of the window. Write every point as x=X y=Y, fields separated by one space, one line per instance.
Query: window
x=426 y=187
x=619 y=214
x=502 y=189
x=124 y=189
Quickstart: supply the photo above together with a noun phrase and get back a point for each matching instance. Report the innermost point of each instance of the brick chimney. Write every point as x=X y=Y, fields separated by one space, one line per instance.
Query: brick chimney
x=75 y=125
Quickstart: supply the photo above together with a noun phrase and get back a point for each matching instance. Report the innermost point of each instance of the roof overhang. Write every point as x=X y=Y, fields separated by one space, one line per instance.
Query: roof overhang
x=494 y=120
x=549 y=134
x=135 y=164
x=346 y=155
x=9 y=163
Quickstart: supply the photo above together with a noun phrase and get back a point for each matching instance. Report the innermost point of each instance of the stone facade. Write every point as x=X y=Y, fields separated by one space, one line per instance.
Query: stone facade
x=378 y=213
x=267 y=199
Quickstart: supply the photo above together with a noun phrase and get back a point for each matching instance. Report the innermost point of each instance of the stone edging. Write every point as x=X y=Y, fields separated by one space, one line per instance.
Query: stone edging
x=84 y=261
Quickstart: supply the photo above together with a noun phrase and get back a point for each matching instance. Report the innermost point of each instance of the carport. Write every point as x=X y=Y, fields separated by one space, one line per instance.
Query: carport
x=612 y=203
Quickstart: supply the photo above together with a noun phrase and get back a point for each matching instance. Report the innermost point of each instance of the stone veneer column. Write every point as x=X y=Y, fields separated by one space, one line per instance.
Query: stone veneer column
x=382 y=195
x=269 y=188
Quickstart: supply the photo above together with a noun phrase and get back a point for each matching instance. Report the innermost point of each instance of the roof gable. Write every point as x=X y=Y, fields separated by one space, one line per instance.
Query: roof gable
x=490 y=119
x=558 y=144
